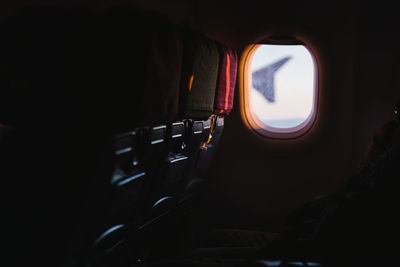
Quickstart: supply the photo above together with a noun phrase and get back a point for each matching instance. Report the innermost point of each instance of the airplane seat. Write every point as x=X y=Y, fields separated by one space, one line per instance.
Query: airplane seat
x=202 y=138
x=185 y=136
x=180 y=176
x=208 y=132
x=196 y=99
x=153 y=154
x=128 y=178
x=174 y=163
x=223 y=105
x=212 y=128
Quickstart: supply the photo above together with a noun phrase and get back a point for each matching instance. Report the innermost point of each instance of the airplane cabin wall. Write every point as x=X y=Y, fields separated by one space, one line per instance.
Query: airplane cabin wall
x=255 y=183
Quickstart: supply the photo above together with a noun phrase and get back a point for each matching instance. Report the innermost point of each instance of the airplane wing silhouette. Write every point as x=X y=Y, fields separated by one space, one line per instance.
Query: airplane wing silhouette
x=263 y=79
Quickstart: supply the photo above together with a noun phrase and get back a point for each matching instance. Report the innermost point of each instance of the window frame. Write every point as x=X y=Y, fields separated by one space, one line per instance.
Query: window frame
x=247 y=114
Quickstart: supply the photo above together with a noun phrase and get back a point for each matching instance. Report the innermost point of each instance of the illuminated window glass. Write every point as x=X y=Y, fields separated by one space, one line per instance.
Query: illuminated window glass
x=282 y=91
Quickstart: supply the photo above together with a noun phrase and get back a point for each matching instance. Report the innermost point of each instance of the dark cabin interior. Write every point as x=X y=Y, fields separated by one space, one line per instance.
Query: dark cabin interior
x=88 y=106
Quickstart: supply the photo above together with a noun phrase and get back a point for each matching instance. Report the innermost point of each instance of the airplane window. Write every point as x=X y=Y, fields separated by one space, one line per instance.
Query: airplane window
x=282 y=88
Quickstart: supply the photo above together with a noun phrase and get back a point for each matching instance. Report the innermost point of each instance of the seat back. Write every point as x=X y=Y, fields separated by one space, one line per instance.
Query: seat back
x=224 y=95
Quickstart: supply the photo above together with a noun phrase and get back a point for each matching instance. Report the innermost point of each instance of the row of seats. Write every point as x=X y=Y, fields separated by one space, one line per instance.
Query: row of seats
x=159 y=167
x=158 y=171
x=133 y=106
x=152 y=163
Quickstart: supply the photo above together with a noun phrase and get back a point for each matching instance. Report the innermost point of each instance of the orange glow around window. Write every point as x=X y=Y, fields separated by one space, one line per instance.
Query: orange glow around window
x=279 y=89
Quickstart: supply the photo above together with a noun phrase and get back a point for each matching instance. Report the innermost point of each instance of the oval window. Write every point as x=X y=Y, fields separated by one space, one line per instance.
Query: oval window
x=280 y=89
